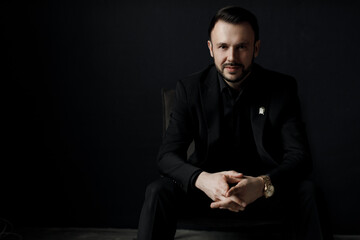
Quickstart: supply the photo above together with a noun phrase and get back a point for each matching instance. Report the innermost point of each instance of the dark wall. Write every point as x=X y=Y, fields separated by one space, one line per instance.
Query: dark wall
x=82 y=103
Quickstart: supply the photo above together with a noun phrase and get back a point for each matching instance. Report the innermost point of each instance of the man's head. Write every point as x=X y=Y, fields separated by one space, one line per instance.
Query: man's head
x=234 y=42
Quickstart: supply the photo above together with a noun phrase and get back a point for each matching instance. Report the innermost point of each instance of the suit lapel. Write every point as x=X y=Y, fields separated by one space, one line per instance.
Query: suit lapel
x=210 y=98
x=259 y=113
x=260 y=98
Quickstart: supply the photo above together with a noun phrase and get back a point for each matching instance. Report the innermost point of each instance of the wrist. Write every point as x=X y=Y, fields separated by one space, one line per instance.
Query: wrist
x=199 y=180
x=262 y=186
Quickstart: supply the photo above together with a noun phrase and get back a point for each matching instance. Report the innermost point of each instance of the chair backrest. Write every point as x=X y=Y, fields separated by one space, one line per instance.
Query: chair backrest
x=168 y=99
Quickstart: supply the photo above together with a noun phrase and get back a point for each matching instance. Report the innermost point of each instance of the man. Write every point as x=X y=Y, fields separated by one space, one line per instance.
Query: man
x=251 y=157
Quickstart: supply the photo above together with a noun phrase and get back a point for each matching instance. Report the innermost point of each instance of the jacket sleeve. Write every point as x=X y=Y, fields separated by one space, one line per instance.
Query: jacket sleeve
x=172 y=157
x=295 y=163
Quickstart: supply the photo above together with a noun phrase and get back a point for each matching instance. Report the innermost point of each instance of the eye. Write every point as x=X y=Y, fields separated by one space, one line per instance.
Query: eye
x=223 y=46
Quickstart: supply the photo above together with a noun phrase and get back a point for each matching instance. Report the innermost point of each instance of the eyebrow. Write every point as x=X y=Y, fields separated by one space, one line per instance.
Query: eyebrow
x=222 y=43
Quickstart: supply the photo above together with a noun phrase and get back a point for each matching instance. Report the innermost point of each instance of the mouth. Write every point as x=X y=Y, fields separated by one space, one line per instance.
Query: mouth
x=233 y=67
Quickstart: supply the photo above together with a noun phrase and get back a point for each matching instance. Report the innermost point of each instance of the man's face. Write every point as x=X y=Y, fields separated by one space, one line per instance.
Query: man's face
x=233 y=49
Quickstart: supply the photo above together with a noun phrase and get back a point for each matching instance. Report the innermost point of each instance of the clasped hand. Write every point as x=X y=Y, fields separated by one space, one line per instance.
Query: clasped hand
x=216 y=186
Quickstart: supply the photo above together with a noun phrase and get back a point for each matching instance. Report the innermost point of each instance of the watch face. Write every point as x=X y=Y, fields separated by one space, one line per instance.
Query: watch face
x=268 y=187
x=270 y=191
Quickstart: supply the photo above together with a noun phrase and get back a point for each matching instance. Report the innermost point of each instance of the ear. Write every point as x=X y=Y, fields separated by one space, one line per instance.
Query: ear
x=257 y=48
x=210 y=48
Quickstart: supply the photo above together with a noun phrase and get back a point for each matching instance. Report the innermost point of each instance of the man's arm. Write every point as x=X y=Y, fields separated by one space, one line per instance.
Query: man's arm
x=295 y=163
x=172 y=157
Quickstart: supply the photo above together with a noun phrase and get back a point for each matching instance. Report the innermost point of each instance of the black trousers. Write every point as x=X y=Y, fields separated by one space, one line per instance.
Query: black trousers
x=165 y=202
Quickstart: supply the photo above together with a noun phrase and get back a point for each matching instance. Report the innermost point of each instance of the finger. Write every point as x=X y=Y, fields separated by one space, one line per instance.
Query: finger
x=230 y=179
x=233 y=191
x=220 y=204
x=215 y=205
x=235 y=207
x=233 y=173
x=238 y=201
x=234 y=210
x=237 y=189
x=227 y=204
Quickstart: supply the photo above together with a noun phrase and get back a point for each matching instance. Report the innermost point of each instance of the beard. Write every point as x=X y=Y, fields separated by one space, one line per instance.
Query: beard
x=244 y=71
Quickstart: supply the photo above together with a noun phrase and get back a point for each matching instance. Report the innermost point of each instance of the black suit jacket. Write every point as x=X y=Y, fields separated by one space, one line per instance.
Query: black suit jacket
x=275 y=119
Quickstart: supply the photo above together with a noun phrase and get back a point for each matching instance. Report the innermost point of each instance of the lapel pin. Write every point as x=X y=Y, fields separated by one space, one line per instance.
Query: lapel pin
x=262 y=110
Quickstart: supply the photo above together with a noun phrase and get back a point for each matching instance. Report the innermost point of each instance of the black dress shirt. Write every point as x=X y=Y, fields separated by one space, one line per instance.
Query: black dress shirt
x=235 y=149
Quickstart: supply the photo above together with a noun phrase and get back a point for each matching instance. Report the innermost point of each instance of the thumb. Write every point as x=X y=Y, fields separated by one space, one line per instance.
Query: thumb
x=224 y=185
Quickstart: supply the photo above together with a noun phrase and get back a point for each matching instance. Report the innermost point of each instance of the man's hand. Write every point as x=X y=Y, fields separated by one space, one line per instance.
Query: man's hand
x=232 y=203
x=246 y=191
x=216 y=185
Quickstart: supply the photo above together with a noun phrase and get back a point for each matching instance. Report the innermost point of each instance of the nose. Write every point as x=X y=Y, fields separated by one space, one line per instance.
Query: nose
x=231 y=55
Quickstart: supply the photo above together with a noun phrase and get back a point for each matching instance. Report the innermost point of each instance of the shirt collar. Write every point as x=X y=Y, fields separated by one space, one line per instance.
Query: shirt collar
x=224 y=85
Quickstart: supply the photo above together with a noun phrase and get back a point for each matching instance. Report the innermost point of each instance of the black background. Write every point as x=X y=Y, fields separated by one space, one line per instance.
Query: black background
x=82 y=108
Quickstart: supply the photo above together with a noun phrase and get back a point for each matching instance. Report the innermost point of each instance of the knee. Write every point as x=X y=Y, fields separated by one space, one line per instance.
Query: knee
x=159 y=188
x=154 y=188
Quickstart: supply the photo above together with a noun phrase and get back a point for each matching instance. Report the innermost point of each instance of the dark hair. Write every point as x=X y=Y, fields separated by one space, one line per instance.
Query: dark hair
x=235 y=15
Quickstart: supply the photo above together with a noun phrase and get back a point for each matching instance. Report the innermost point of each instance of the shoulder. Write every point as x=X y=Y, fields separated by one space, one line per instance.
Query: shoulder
x=273 y=80
x=195 y=83
x=198 y=78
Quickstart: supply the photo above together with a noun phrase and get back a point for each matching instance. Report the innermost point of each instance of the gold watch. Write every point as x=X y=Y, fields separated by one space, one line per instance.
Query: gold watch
x=268 y=187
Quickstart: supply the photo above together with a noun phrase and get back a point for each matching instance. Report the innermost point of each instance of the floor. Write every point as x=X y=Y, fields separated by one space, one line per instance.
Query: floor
x=124 y=234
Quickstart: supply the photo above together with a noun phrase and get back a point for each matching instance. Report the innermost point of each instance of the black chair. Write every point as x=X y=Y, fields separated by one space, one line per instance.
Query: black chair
x=249 y=229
